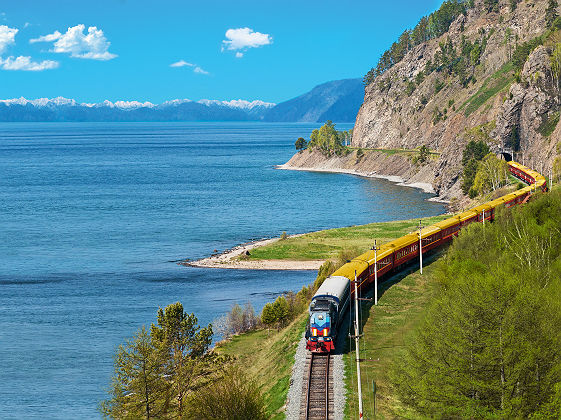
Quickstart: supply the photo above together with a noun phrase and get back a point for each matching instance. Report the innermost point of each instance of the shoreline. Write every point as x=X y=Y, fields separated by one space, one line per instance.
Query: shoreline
x=425 y=186
x=228 y=259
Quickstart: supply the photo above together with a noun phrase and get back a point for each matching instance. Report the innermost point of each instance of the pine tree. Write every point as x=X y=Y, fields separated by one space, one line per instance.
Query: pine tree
x=138 y=388
x=182 y=346
x=551 y=13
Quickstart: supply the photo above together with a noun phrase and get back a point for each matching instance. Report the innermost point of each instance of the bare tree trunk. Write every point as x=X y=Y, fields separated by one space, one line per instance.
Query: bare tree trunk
x=146 y=396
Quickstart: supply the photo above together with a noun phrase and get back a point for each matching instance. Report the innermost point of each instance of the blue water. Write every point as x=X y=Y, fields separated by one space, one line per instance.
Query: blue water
x=93 y=216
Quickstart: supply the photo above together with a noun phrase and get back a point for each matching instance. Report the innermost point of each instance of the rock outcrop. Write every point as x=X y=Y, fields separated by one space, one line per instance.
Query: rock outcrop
x=441 y=109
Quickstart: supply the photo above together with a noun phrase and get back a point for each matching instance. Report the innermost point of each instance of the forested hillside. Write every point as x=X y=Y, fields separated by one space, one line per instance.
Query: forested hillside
x=488 y=346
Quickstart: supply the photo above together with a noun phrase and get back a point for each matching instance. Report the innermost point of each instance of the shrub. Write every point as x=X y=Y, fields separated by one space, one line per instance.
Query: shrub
x=438 y=85
x=359 y=154
x=235 y=396
x=237 y=321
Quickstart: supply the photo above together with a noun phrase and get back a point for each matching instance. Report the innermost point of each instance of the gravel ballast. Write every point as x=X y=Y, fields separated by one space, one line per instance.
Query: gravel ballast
x=299 y=372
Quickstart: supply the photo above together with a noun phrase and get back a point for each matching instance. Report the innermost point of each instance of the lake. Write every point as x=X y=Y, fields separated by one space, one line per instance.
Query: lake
x=94 y=217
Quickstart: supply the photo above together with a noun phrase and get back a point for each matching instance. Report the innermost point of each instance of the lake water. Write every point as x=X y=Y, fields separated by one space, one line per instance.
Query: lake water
x=93 y=217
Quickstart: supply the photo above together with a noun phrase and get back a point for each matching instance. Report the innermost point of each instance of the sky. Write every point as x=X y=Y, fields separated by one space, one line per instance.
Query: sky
x=148 y=50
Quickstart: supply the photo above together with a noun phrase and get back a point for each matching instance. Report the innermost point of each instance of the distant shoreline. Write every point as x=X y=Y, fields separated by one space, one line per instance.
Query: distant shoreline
x=232 y=258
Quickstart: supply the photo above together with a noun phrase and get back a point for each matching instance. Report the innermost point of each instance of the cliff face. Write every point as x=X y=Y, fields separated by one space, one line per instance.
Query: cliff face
x=510 y=109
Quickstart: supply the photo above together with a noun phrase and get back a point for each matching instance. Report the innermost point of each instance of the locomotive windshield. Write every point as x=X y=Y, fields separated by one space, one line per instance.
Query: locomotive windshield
x=320 y=305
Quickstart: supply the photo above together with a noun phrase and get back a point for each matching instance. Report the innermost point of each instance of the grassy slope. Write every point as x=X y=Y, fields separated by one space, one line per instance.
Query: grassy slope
x=268 y=357
x=386 y=328
x=327 y=243
x=492 y=85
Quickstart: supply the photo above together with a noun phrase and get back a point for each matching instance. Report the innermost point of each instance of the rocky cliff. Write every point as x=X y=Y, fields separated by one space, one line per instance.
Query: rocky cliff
x=510 y=98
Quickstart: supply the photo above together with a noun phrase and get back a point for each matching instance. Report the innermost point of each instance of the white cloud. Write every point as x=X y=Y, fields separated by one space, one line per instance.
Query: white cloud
x=92 y=45
x=26 y=64
x=7 y=37
x=241 y=39
x=183 y=63
x=46 y=38
x=199 y=70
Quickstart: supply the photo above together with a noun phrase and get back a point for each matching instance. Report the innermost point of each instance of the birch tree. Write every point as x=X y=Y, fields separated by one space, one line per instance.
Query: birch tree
x=488 y=346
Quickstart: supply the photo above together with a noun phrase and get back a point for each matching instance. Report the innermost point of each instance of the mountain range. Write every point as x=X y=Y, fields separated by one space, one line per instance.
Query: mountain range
x=337 y=100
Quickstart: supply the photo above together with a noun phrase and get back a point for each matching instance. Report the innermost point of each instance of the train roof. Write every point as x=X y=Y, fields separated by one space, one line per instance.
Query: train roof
x=404 y=241
x=467 y=215
x=495 y=203
x=358 y=264
x=481 y=207
x=333 y=286
x=382 y=253
x=451 y=221
x=429 y=230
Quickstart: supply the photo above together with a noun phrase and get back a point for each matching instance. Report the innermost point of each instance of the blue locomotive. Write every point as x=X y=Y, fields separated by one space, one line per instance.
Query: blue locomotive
x=326 y=313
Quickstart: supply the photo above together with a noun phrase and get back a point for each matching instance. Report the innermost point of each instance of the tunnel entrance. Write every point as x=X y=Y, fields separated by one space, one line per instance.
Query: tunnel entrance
x=507 y=156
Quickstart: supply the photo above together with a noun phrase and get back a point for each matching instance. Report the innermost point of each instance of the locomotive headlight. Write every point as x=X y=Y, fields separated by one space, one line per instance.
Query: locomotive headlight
x=325 y=332
x=314 y=332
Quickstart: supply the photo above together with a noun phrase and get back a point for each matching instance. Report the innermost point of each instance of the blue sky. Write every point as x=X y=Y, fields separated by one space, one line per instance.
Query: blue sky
x=273 y=52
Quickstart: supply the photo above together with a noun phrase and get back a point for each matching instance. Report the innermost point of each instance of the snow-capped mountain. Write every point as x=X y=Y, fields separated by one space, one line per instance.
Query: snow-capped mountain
x=64 y=109
x=338 y=101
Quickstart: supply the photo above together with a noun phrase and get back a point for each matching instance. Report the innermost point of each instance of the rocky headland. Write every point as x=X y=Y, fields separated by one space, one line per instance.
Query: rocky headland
x=507 y=93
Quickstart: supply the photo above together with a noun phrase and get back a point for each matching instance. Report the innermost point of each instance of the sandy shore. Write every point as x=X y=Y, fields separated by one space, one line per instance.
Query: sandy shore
x=426 y=187
x=229 y=260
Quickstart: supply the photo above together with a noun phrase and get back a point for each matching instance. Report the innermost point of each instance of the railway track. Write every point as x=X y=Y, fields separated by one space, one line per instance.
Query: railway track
x=318 y=389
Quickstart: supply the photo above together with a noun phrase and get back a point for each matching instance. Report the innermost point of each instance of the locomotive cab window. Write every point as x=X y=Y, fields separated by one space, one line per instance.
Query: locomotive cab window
x=320 y=305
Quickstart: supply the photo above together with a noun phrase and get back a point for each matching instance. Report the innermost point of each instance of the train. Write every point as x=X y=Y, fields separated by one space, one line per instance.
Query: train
x=329 y=303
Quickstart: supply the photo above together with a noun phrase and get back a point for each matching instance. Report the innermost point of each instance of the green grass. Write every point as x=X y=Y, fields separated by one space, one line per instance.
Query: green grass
x=390 y=152
x=386 y=329
x=268 y=358
x=328 y=243
x=491 y=86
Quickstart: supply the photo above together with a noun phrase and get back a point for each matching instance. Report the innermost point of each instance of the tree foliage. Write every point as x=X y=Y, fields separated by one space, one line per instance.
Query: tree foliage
x=237 y=321
x=492 y=173
x=488 y=346
x=300 y=144
x=138 y=388
x=491 y=5
x=429 y=27
x=328 y=140
x=474 y=152
x=183 y=348
x=551 y=12
x=423 y=155
x=556 y=64
x=156 y=373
